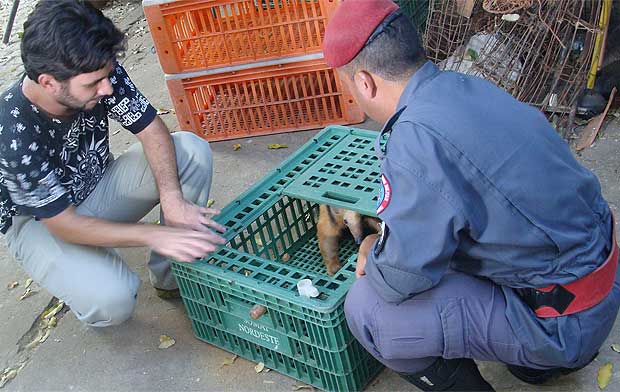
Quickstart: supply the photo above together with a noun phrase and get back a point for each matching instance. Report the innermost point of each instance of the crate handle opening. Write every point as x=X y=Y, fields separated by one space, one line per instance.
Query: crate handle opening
x=340 y=197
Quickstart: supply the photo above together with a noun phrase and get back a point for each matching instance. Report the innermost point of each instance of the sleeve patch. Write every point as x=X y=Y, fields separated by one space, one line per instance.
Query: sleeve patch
x=385 y=194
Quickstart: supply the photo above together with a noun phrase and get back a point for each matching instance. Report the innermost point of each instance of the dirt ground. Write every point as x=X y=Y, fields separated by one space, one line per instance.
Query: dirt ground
x=77 y=358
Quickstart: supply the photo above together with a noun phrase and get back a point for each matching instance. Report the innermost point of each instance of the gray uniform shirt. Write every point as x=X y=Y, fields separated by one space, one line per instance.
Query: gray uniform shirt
x=479 y=182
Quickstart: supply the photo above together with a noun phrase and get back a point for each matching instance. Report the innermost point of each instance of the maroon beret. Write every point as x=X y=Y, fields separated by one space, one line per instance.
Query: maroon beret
x=351 y=26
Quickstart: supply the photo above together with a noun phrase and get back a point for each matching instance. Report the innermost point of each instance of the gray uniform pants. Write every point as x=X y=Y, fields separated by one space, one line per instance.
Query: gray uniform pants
x=466 y=317
x=94 y=281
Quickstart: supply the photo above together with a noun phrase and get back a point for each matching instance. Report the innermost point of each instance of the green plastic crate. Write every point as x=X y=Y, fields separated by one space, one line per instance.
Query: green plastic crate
x=347 y=176
x=272 y=245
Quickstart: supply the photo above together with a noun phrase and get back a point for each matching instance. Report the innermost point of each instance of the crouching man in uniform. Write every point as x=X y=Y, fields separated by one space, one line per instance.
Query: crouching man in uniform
x=497 y=244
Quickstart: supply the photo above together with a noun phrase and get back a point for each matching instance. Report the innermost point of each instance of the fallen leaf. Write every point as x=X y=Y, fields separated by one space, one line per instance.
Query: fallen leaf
x=116 y=132
x=594 y=125
x=20 y=34
x=161 y=111
x=616 y=347
x=210 y=202
x=12 y=285
x=230 y=361
x=259 y=367
x=28 y=283
x=511 y=17
x=604 y=375
x=53 y=310
x=247 y=273
x=53 y=322
x=45 y=335
x=285 y=258
x=27 y=293
x=276 y=146
x=10 y=373
x=589 y=133
x=298 y=387
x=165 y=342
x=8 y=376
x=236 y=147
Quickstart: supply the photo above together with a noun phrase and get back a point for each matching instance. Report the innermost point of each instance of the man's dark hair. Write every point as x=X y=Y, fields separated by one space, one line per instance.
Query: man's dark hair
x=394 y=54
x=65 y=38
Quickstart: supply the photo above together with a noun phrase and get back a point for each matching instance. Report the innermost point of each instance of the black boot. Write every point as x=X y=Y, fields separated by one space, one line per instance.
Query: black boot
x=541 y=376
x=534 y=376
x=459 y=374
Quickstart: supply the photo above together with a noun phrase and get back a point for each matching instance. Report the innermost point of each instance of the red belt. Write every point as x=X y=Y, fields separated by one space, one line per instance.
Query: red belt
x=579 y=295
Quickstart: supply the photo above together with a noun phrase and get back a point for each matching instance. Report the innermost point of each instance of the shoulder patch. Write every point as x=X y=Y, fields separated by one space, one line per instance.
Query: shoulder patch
x=385 y=194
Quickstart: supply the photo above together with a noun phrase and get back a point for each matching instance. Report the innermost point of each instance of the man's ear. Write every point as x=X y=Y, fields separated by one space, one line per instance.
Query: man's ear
x=49 y=83
x=365 y=84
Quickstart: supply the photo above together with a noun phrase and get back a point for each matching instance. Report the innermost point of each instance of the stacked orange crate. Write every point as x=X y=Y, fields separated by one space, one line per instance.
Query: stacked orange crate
x=238 y=68
x=262 y=99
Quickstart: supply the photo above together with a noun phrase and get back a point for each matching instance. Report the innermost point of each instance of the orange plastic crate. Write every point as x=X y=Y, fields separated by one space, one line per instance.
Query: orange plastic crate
x=193 y=35
x=261 y=100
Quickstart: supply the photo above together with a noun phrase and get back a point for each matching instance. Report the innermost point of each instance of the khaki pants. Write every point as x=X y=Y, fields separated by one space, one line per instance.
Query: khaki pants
x=94 y=281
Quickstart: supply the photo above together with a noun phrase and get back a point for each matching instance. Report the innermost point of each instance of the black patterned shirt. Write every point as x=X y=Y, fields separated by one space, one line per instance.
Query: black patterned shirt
x=47 y=163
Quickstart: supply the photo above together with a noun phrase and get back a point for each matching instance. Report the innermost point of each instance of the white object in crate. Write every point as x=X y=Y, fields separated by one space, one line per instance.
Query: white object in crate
x=307 y=289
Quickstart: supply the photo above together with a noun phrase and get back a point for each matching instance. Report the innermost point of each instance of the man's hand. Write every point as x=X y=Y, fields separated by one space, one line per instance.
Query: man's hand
x=187 y=233
x=185 y=245
x=362 y=254
x=185 y=214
